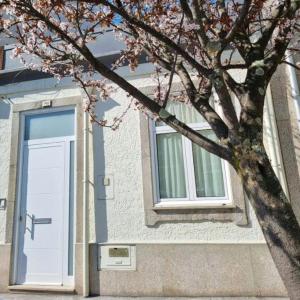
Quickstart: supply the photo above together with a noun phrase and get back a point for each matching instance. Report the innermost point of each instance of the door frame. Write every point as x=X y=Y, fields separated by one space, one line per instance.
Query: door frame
x=67 y=280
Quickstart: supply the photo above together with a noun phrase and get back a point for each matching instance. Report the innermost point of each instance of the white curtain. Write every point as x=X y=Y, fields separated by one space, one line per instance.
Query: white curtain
x=183 y=112
x=170 y=166
x=208 y=171
x=207 y=167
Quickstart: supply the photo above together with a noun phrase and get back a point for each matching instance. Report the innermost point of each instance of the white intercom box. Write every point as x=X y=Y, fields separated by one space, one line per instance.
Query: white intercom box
x=116 y=257
x=105 y=187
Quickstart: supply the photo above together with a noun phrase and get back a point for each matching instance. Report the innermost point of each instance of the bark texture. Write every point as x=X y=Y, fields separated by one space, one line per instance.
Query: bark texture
x=277 y=219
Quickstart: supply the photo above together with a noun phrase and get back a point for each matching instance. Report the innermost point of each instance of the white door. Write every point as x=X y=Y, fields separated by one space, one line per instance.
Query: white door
x=44 y=225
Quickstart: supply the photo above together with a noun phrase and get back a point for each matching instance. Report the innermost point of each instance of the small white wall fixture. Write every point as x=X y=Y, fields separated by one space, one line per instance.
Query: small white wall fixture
x=2 y=203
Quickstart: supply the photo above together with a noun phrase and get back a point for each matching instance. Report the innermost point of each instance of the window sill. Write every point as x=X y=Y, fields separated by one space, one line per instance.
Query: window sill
x=169 y=206
x=195 y=213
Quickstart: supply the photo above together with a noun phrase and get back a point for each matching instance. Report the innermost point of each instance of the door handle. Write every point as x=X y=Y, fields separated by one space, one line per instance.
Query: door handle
x=34 y=221
x=41 y=220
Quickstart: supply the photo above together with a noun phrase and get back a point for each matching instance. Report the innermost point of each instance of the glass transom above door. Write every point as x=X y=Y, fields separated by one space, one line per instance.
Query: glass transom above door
x=49 y=125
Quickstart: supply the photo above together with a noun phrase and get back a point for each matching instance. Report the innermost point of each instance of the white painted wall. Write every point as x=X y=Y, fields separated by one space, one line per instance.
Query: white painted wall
x=118 y=153
x=122 y=218
x=5 y=129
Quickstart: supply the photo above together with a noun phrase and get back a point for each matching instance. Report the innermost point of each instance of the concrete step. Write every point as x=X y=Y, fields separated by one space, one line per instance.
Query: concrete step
x=44 y=289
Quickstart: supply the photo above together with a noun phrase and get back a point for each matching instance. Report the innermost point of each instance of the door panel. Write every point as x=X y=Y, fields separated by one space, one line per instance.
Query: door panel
x=42 y=210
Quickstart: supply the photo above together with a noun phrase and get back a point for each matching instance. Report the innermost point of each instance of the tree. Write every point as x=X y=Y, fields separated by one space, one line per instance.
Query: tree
x=186 y=39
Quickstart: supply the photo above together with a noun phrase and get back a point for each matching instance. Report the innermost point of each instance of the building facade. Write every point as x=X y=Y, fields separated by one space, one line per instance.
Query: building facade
x=89 y=210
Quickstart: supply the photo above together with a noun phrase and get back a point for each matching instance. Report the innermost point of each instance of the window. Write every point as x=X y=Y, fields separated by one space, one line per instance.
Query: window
x=54 y=124
x=184 y=172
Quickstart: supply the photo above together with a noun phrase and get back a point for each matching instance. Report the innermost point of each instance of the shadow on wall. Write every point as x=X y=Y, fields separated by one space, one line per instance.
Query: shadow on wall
x=4 y=110
x=103 y=182
x=100 y=189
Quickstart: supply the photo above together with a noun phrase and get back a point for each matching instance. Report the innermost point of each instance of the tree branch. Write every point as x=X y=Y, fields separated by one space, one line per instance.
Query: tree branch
x=151 y=105
x=238 y=23
x=159 y=36
x=200 y=101
x=230 y=116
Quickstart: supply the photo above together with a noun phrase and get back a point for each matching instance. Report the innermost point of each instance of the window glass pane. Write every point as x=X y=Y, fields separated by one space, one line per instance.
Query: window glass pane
x=170 y=166
x=183 y=112
x=208 y=171
x=49 y=125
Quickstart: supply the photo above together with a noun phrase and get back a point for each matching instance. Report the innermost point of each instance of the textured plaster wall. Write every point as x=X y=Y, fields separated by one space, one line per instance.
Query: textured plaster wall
x=5 y=127
x=121 y=219
x=118 y=155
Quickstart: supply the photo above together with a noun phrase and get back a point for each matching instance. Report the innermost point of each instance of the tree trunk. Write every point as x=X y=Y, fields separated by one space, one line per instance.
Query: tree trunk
x=276 y=217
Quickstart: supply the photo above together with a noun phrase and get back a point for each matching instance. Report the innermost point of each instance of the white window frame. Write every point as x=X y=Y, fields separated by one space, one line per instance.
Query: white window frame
x=191 y=200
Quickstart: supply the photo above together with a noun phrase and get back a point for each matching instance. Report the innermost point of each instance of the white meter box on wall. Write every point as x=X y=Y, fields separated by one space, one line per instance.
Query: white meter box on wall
x=105 y=187
x=116 y=257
